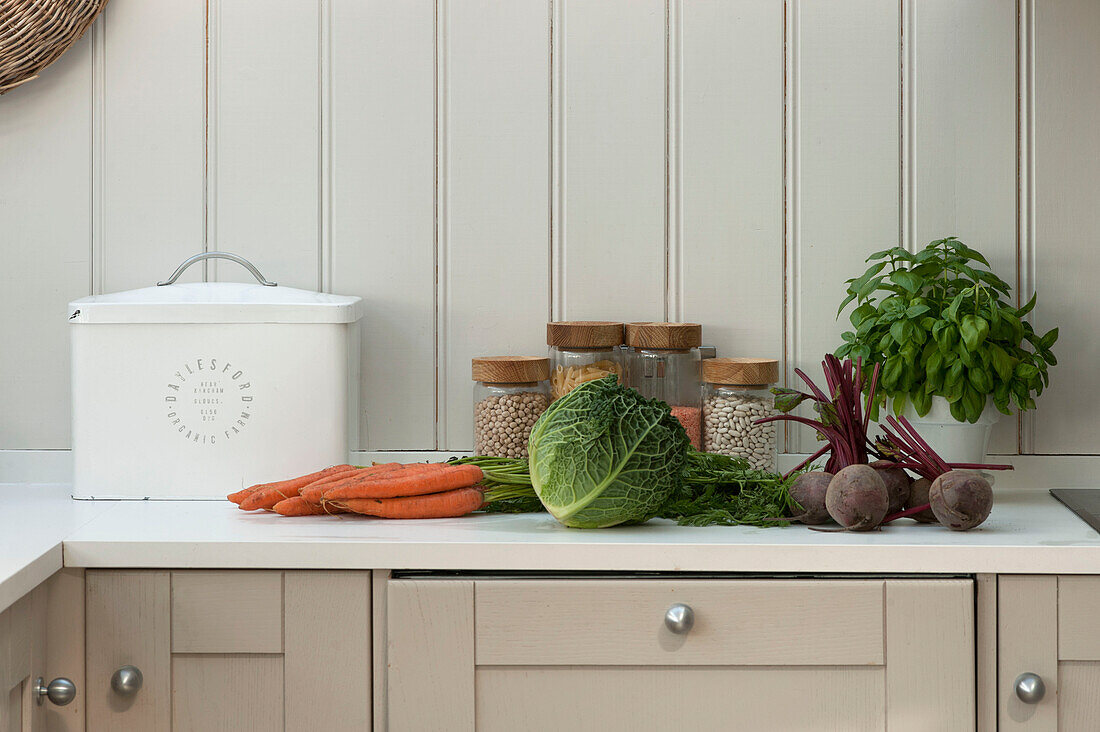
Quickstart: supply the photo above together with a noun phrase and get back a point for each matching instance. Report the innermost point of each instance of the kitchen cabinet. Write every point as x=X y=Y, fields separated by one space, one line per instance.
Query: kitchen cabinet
x=482 y=653
x=42 y=638
x=1048 y=628
x=22 y=660
x=228 y=650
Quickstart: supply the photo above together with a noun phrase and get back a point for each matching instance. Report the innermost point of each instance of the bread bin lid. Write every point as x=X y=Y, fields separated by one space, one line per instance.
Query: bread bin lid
x=216 y=302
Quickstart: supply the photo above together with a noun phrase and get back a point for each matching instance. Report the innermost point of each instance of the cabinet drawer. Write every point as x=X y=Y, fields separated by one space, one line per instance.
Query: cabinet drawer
x=736 y=622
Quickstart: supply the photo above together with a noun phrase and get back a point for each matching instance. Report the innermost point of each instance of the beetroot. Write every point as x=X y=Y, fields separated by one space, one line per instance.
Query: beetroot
x=961 y=499
x=808 y=490
x=918 y=496
x=857 y=498
x=897 y=484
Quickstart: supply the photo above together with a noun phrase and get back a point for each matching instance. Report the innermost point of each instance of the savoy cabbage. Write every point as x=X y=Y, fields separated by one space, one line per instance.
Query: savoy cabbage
x=603 y=455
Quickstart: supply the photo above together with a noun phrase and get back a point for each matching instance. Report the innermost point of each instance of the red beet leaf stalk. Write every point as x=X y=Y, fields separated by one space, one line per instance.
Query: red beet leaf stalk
x=843 y=417
x=905 y=448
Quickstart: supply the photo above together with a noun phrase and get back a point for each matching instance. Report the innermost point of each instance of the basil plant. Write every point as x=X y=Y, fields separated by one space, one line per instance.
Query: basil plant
x=941 y=323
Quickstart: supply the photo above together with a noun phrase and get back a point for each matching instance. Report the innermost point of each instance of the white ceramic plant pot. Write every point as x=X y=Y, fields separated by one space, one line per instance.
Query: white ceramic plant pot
x=955 y=442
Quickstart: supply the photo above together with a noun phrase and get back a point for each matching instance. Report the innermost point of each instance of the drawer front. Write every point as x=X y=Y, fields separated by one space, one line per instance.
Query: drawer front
x=595 y=654
x=736 y=622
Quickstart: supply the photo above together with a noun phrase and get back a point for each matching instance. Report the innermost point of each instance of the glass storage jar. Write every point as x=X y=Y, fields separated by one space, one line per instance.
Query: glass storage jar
x=510 y=392
x=663 y=363
x=735 y=395
x=582 y=351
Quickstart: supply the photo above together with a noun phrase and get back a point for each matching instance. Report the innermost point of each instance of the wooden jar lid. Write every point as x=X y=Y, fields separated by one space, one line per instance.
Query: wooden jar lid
x=511 y=369
x=664 y=336
x=741 y=371
x=584 y=334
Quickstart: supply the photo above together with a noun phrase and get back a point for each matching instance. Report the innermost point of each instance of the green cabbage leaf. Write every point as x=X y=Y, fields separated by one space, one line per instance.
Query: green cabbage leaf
x=603 y=455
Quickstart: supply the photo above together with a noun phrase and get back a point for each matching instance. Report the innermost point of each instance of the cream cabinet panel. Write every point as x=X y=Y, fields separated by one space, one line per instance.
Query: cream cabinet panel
x=22 y=661
x=597 y=699
x=230 y=650
x=747 y=623
x=1048 y=626
x=42 y=636
x=498 y=654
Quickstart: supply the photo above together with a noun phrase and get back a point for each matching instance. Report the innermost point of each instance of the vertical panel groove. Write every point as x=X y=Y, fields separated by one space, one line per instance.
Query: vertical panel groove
x=206 y=134
x=324 y=147
x=98 y=142
x=551 y=226
x=905 y=125
x=674 y=101
x=791 y=206
x=442 y=302
x=1025 y=202
x=210 y=139
x=557 y=168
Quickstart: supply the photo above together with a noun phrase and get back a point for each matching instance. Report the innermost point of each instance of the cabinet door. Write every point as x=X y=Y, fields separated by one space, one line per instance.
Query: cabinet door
x=22 y=660
x=1049 y=626
x=230 y=650
x=597 y=655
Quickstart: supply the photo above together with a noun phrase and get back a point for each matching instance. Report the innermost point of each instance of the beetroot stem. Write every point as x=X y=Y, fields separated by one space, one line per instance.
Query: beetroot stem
x=907 y=512
x=807 y=461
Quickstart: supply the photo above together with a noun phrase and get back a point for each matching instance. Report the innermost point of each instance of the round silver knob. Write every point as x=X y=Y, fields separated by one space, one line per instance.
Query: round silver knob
x=60 y=691
x=127 y=680
x=680 y=618
x=1030 y=688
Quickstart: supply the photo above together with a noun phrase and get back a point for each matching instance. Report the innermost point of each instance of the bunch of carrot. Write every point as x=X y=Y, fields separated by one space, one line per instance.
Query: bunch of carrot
x=390 y=490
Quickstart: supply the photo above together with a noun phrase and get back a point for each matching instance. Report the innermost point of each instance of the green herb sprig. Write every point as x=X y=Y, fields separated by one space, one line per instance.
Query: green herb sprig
x=719 y=490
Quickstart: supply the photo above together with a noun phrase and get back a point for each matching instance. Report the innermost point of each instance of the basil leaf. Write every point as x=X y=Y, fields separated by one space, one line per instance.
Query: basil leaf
x=891 y=371
x=974 y=330
x=922 y=400
x=1049 y=339
x=980 y=379
x=906 y=279
x=916 y=311
x=1028 y=307
x=933 y=369
x=861 y=313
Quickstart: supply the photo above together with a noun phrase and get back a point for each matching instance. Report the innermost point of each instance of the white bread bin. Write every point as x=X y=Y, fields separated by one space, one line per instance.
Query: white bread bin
x=197 y=390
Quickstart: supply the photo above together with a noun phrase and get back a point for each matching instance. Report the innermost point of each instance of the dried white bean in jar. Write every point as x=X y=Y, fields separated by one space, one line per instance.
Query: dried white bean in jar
x=729 y=429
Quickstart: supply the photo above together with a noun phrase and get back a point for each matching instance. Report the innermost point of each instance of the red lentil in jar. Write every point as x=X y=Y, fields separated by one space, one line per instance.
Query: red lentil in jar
x=691 y=419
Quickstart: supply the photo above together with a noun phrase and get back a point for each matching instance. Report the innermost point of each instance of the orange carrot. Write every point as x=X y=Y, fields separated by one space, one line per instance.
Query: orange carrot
x=439 y=480
x=448 y=504
x=312 y=492
x=268 y=494
x=299 y=506
x=241 y=494
x=409 y=469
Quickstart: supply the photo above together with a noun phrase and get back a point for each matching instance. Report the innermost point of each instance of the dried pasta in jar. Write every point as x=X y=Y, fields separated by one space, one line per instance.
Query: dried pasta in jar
x=583 y=351
x=565 y=379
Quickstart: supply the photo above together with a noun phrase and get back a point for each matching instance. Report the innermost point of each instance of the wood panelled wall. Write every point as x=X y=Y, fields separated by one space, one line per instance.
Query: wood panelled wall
x=473 y=168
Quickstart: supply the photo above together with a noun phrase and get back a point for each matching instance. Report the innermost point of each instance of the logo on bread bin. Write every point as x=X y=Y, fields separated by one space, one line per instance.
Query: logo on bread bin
x=208 y=401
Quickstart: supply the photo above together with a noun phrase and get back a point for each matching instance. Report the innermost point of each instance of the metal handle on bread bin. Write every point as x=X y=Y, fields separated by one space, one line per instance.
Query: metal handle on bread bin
x=218 y=255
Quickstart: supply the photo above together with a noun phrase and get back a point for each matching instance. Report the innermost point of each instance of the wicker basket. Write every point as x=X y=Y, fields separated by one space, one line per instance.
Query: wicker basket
x=33 y=33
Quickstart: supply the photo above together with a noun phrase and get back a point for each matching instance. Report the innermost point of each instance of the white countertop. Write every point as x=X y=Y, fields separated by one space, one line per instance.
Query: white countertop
x=33 y=521
x=1028 y=532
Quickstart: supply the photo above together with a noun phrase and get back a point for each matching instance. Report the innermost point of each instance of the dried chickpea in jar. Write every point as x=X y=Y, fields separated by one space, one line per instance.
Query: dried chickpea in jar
x=510 y=392
x=735 y=395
